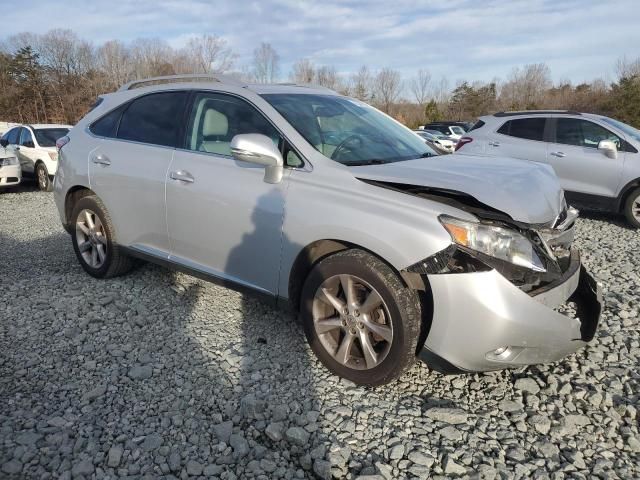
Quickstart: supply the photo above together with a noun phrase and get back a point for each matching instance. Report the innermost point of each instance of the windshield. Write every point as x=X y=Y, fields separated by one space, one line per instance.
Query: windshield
x=47 y=136
x=627 y=129
x=348 y=131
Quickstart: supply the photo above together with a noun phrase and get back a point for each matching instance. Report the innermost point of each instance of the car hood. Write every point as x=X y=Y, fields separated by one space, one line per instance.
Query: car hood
x=526 y=191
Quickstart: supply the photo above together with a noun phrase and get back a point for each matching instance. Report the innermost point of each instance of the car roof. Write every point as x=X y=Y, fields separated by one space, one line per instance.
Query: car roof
x=220 y=82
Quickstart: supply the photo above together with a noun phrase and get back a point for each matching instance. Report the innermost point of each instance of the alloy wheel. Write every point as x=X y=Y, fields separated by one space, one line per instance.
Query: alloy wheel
x=91 y=238
x=352 y=322
x=42 y=178
x=635 y=208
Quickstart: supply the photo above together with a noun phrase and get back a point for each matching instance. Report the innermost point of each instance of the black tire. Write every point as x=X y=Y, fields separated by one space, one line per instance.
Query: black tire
x=42 y=178
x=403 y=305
x=116 y=262
x=633 y=202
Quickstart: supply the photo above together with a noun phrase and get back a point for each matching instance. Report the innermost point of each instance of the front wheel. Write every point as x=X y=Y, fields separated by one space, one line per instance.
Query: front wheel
x=42 y=176
x=632 y=208
x=359 y=318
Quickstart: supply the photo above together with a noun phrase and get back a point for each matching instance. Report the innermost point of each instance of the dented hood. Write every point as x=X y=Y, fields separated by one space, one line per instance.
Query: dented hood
x=526 y=191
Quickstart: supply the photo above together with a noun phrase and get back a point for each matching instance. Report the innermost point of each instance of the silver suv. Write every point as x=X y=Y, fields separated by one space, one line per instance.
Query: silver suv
x=595 y=157
x=321 y=202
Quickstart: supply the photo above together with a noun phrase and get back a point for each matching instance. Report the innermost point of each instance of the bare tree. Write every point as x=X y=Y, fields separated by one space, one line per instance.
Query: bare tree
x=442 y=92
x=361 y=84
x=327 y=76
x=114 y=60
x=420 y=86
x=303 y=71
x=209 y=54
x=627 y=68
x=266 y=63
x=387 y=88
x=526 y=87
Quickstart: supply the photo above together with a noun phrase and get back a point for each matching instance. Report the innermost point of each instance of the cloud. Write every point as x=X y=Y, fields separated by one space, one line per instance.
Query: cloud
x=579 y=39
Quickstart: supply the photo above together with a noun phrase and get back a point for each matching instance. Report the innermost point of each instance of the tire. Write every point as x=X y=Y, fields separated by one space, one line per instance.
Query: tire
x=42 y=177
x=633 y=205
x=114 y=261
x=400 y=310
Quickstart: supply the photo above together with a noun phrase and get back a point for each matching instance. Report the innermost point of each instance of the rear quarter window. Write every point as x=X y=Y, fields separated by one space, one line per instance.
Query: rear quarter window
x=525 y=128
x=107 y=126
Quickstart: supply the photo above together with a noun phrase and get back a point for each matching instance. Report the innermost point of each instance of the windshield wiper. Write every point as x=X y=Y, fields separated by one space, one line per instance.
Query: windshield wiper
x=374 y=161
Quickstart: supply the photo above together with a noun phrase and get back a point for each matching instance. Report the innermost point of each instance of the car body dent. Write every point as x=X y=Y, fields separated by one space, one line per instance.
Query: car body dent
x=527 y=192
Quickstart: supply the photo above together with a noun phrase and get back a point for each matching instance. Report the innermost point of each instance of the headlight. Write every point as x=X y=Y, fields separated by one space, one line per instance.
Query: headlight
x=497 y=242
x=5 y=162
x=53 y=156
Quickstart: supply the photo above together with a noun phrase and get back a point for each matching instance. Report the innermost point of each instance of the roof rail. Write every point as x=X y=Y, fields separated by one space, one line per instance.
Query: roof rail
x=188 y=77
x=534 y=112
x=314 y=86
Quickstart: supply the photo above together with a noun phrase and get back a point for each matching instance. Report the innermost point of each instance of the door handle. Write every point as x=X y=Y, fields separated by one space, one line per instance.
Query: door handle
x=558 y=154
x=16 y=147
x=101 y=160
x=182 y=176
x=494 y=144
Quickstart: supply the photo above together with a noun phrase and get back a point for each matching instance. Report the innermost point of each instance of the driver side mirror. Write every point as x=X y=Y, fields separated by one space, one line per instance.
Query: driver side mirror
x=608 y=148
x=4 y=142
x=259 y=149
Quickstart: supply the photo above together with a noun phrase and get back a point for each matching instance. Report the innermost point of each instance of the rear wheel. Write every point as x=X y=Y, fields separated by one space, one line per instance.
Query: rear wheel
x=94 y=242
x=42 y=176
x=359 y=318
x=632 y=208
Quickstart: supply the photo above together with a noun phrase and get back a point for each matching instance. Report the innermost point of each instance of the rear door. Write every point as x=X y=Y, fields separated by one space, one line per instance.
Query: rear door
x=582 y=168
x=127 y=169
x=522 y=138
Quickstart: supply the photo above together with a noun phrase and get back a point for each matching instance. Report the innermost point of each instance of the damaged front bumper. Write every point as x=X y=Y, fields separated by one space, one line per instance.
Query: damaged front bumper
x=482 y=321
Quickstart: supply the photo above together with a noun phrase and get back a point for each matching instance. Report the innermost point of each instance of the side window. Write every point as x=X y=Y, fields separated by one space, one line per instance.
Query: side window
x=582 y=133
x=12 y=136
x=217 y=118
x=107 y=126
x=154 y=119
x=26 y=140
x=525 y=128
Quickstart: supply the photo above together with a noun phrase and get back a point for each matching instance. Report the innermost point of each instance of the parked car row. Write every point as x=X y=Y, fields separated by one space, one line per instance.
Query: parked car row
x=30 y=150
x=595 y=157
x=386 y=250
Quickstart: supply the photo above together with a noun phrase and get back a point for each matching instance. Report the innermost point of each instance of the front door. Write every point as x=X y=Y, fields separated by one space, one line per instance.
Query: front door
x=582 y=168
x=27 y=152
x=223 y=219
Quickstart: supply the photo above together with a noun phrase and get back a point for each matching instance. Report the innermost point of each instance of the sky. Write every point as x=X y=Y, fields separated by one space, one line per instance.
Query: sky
x=459 y=39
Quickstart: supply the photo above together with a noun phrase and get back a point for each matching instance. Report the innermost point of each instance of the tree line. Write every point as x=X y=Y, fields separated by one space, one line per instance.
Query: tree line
x=55 y=77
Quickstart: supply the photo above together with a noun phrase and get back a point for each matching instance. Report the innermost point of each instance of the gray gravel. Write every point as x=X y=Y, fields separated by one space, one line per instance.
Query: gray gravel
x=160 y=374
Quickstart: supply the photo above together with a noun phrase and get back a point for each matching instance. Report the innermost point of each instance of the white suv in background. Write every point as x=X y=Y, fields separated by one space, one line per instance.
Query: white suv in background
x=35 y=148
x=595 y=157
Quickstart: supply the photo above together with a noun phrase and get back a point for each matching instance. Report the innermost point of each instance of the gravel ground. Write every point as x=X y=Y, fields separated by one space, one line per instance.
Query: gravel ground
x=160 y=374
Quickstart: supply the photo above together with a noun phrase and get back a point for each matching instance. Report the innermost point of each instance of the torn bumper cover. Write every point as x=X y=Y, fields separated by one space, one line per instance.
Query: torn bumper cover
x=482 y=321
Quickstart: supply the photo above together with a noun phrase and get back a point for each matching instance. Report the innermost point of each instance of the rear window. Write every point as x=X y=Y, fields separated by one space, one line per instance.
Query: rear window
x=477 y=125
x=47 y=137
x=526 y=128
x=154 y=119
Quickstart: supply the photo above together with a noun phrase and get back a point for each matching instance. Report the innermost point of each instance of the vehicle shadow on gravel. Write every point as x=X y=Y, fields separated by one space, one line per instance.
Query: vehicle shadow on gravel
x=129 y=376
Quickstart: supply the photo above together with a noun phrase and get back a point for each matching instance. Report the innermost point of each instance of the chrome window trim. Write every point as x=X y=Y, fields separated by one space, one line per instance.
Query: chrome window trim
x=306 y=167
